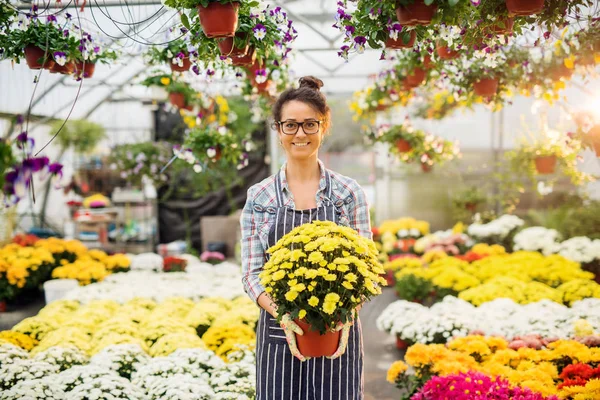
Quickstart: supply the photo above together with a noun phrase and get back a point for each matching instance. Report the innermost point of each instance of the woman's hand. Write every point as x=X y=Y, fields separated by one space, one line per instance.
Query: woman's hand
x=292 y=329
x=345 y=328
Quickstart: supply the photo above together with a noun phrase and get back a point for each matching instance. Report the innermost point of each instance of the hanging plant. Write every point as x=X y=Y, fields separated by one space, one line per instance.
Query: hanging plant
x=416 y=12
x=177 y=54
x=219 y=18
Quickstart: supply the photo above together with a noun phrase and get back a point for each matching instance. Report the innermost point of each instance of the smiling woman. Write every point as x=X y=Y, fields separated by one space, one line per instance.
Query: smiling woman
x=303 y=191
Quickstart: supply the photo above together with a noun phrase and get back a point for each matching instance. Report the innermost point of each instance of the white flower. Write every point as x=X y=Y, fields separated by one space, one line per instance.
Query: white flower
x=197 y=168
x=211 y=152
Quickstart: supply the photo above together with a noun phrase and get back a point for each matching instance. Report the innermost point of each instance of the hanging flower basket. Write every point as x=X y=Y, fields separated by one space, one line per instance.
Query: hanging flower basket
x=227 y=46
x=416 y=77
x=403 y=146
x=66 y=69
x=85 y=70
x=426 y=167
x=417 y=13
x=524 y=7
x=561 y=72
x=486 y=87
x=399 y=42
x=246 y=60
x=33 y=56
x=445 y=53
x=505 y=28
x=427 y=63
x=313 y=344
x=545 y=165
x=185 y=66
x=177 y=99
x=219 y=20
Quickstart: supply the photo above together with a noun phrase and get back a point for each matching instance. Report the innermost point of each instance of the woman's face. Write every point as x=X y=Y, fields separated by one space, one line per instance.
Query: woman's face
x=300 y=146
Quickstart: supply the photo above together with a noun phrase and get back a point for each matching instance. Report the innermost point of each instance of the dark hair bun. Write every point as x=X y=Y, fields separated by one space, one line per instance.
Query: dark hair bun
x=311 y=82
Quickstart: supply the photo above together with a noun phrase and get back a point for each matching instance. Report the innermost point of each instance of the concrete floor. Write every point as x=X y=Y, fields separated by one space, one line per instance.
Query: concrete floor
x=380 y=348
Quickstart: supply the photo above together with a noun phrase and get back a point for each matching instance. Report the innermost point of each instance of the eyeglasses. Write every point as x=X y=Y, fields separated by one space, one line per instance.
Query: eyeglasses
x=289 y=127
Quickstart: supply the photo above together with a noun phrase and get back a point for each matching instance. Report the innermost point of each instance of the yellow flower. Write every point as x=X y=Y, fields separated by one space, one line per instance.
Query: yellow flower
x=347 y=285
x=329 y=307
x=332 y=297
x=315 y=257
x=278 y=275
x=165 y=81
x=330 y=277
x=313 y=301
x=395 y=371
x=302 y=314
x=291 y=295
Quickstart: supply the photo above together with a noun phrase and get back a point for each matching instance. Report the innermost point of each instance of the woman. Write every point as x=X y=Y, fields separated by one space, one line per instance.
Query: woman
x=302 y=191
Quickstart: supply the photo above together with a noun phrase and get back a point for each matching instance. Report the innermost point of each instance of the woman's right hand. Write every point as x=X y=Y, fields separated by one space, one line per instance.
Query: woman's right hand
x=292 y=329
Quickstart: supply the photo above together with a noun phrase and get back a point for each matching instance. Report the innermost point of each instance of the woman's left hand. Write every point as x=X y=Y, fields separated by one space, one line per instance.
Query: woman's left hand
x=345 y=328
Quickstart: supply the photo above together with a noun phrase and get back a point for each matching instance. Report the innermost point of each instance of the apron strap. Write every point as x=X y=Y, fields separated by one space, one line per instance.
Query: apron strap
x=328 y=184
x=278 y=190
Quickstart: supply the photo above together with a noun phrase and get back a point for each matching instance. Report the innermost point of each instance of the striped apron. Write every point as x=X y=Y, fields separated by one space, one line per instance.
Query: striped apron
x=280 y=375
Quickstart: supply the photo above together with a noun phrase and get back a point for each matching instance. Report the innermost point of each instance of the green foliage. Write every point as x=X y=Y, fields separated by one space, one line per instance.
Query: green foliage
x=574 y=218
x=6 y=159
x=82 y=135
x=413 y=288
x=138 y=160
x=164 y=54
x=46 y=36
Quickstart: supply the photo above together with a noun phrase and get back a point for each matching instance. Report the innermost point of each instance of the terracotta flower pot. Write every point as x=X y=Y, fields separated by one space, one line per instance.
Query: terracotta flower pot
x=87 y=70
x=382 y=107
x=227 y=46
x=34 y=56
x=401 y=344
x=417 y=13
x=389 y=278
x=177 y=99
x=445 y=53
x=247 y=60
x=471 y=206
x=403 y=146
x=186 y=64
x=486 y=87
x=545 y=165
x=427 y=63
x=561 y=72
x=66 y=69
x=219 y=20
x=524 y=7
x=3 y=302
x=505 y=28
x=399 y=43
x=313 y=344
x=426 y=167
x=416 y=77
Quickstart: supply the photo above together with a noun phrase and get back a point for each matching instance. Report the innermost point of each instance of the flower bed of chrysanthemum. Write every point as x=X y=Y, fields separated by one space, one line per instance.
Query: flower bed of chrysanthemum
x=564 y=369
x=523 y=276
x=125 y=371
x=25 y=264
x=158 y=328
x=411 y=322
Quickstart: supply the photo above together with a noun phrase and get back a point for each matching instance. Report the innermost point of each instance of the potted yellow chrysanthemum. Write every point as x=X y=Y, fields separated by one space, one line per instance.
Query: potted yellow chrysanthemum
x=318 y=274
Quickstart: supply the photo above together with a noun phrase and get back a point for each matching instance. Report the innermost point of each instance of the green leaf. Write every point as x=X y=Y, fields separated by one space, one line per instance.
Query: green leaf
x=185 y=21
x=453 y=2
x=428 y=2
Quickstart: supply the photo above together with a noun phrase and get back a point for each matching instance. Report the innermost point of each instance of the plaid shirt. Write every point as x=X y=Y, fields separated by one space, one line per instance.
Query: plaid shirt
x=256 y=222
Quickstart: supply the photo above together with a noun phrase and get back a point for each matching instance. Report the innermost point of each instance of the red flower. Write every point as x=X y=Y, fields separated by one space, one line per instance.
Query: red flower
x=25 y=240
x=174 y=264
x=573 y=382
x=575 y=371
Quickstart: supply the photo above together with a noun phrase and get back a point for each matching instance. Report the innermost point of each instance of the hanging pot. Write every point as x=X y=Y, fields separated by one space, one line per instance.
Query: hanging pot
x=403 y=146
x=505 y=28
x=66 y=69
x=34 y=56
x=399 y=43
x=524 y=7
x=185 y=65
x=382 y=107
x=545 y=165
x=246 y=60
x=561 y=72
x=227 y=46
x=426 y=167
x=445 y=53
x=427 y=63
x=416 y=77
x=219 y=20
x=177 y=99
x=471 y=206
x=85 y=70
x=417 y=13
x=218 y=154
x=313 y=344
x=486 y=87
